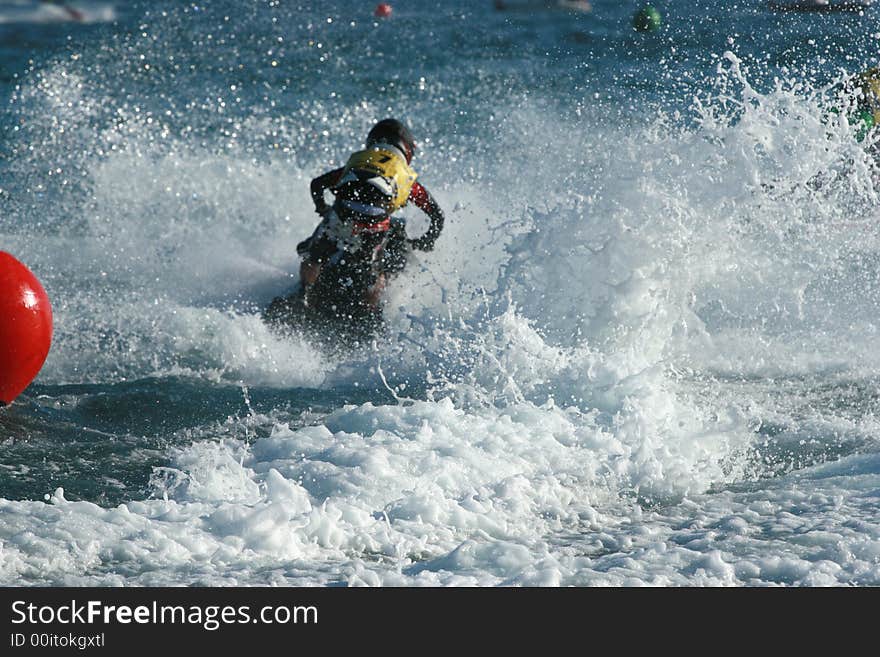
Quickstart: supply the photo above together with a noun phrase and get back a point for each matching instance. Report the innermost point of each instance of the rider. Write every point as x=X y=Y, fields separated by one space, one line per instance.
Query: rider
x=373 y=184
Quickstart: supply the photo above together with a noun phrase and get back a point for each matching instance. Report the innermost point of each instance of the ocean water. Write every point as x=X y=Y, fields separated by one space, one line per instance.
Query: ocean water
x=645 y=350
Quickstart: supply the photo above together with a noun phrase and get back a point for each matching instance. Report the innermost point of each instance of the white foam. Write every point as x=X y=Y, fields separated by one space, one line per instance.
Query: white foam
x=430 y=495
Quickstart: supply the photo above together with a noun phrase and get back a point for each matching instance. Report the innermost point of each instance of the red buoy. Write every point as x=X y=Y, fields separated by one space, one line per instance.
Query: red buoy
x=25 y=327
x=383 y=10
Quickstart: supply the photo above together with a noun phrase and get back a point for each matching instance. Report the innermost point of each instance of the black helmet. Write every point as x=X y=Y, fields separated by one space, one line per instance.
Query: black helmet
x=392 y=131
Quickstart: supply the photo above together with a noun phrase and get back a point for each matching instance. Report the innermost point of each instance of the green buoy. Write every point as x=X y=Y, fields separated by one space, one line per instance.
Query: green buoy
x=647 y=19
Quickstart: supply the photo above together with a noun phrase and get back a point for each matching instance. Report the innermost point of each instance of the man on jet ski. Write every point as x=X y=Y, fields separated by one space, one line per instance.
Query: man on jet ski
x=374 y=183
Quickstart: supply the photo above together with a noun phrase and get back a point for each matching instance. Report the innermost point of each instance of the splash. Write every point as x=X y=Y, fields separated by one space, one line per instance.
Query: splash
x=659 y=251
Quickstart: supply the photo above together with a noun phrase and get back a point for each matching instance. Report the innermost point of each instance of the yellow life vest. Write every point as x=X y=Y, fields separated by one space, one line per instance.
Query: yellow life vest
x=391 y=166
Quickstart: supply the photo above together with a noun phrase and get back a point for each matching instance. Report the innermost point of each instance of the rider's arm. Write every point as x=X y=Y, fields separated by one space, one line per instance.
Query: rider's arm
x=322 y=183
x=423 y=200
